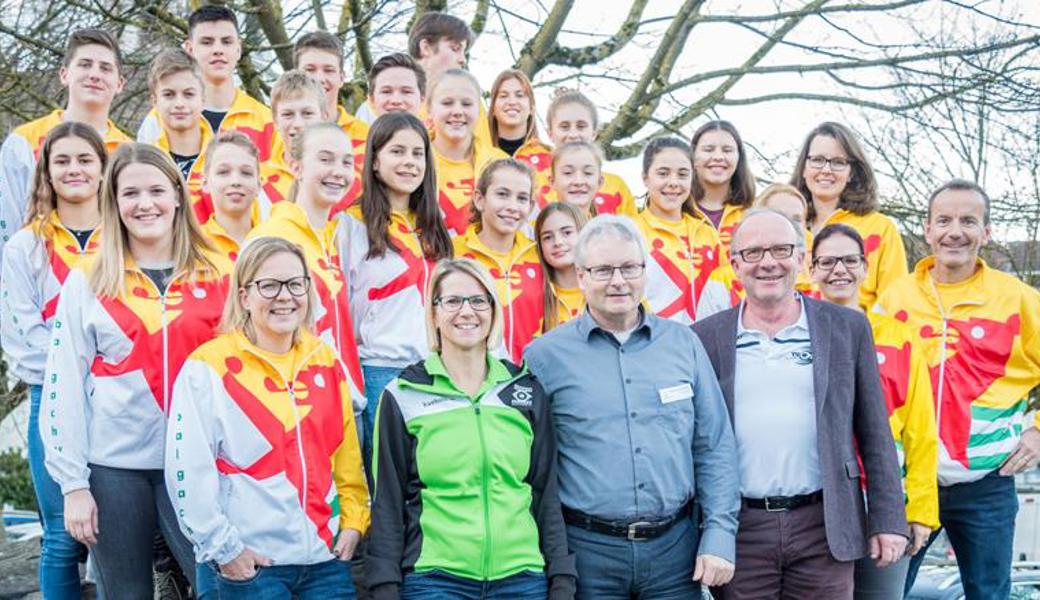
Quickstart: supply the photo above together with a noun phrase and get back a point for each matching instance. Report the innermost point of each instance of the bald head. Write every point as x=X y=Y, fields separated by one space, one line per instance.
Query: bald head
x=758 y=218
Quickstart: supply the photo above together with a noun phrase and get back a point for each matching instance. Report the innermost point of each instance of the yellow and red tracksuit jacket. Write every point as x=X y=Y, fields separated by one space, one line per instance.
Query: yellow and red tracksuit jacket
x=519 y=281
x=252 y=433
x=908 y=397
x=388 y=293
x=276 y=178
x=981 y=342
x=613 y=197
x=111 y=367
x=570 y=303
x=246 y=114
x=226 y=248
x=731 y=216
x=538 y=156
x=34 y=269
x=322 y=249
x=886 y=256
x=18 y=156
x=200 y=200
x=683 y=255
x=456 y=181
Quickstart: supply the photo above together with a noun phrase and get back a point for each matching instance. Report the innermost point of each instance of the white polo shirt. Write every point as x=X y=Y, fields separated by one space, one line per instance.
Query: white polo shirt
x=774 y=411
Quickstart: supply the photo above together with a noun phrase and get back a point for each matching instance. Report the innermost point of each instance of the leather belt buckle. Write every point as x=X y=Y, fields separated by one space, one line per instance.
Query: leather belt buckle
x=773 y=508
x=633 y=532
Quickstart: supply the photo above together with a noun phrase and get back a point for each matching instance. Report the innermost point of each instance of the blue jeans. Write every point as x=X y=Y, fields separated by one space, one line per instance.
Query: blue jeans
x=438 y=585
x=376 y=379
x=60 y=553
x=614 y=568
x=330 y=579
x=979 y=519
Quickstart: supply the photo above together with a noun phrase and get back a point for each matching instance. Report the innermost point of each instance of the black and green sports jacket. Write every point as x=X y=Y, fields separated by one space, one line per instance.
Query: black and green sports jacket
x=466 y=485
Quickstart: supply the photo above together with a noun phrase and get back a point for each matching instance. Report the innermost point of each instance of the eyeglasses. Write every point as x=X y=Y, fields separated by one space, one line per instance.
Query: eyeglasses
x=606 y=272
x=838 y=164
x=778 y=252
x=453 y=304
x=271 y=288
x=827 y=263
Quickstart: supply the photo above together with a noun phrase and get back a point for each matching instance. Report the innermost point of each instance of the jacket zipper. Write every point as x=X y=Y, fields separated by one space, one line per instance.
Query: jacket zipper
x=485 y=475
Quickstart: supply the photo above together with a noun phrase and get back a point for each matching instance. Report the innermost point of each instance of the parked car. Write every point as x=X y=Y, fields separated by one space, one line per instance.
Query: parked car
x=943 y=582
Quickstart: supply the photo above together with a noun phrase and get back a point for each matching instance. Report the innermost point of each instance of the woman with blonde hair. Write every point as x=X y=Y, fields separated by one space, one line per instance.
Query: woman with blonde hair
x=262 y=423
x=481 y=517
x=62 y=230
x=121 y=333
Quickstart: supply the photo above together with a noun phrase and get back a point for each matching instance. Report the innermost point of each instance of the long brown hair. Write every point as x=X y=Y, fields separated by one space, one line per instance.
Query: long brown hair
x=550 y=307
x=742 y=184
x=860 y=194
x=375 y=203
x=532 y=128
x=189 y=243
x=44 y=200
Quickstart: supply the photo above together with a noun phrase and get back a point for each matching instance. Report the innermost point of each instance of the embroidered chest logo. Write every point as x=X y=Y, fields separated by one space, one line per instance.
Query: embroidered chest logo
x=521 y=396
x=802 y=357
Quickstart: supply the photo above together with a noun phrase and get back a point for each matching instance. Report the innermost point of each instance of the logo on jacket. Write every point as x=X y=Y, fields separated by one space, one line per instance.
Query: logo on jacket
x=522 y=396
x=802 y=357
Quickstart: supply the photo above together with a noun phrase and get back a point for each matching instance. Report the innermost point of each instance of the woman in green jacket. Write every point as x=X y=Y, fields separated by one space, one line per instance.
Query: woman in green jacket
x=465 y=472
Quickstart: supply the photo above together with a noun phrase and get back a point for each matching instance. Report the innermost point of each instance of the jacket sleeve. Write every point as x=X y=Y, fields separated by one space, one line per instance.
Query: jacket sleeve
x=887 y=511
x=63 y=409
x=17 y=164
x=628 y=206
x=393 y=451
x=560 y=566
x=193 y=443
x=920 y=446
x=23 y=330
x=347 y=471
x=891 y=264
x=715 y=463
x=150 y=130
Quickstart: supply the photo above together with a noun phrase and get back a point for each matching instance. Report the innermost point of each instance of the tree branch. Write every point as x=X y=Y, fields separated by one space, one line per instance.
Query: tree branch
x=533 y=54
x=580 y=57
x=269 y=15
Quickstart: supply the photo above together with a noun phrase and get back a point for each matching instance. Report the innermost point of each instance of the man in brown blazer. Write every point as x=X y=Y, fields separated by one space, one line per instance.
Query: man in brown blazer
x=801 y=382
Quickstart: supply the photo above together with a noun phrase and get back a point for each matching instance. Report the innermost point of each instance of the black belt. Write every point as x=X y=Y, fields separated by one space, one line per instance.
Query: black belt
x=633 y=530
x=778 y=503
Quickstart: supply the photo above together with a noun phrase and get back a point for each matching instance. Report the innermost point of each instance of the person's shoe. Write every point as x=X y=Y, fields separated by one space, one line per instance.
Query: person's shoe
x=168 y=586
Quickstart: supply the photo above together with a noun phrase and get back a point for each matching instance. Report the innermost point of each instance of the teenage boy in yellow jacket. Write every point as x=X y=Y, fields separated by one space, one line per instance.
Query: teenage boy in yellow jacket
x=980 y=332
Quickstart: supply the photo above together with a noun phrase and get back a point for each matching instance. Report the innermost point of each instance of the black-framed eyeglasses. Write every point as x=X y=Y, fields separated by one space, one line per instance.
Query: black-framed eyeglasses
x=778 y=252
x=453 y=304
x=606 y=272
x=827 y=263
x=271 y=288
x=838 y=163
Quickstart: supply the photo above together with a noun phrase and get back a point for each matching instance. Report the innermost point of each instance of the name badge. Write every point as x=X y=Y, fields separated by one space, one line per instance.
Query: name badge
x=682 y=391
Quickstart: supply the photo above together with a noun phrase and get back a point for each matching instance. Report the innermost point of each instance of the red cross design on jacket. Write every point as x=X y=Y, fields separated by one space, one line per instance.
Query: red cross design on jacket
x=316 y=435
x=894 y=364
x=336 y=317
x=456 y=219
x=61 y=270
x=414 y=274
x=977 y=352
x=607 y=203
x=193 y=311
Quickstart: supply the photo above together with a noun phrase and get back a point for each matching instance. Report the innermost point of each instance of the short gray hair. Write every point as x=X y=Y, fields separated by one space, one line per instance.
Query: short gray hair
x=761 y=210
x=613 y=225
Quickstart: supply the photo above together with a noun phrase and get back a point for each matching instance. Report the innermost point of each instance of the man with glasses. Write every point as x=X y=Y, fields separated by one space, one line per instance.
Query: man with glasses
x=647 y=464
x=979 y=330
x=800 y=379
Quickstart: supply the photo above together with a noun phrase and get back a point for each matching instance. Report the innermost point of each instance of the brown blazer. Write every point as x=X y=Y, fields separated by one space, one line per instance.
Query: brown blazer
x=850 y=415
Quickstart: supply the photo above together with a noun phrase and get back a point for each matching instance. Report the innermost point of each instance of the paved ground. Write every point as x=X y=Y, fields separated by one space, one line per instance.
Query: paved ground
x=18 y=571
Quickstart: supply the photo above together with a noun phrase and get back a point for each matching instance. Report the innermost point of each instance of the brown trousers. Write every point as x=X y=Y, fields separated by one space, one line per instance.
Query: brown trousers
x=784 y=555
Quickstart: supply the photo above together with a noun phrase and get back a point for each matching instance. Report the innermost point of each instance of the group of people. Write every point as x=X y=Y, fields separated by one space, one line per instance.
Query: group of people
x=266 y=344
